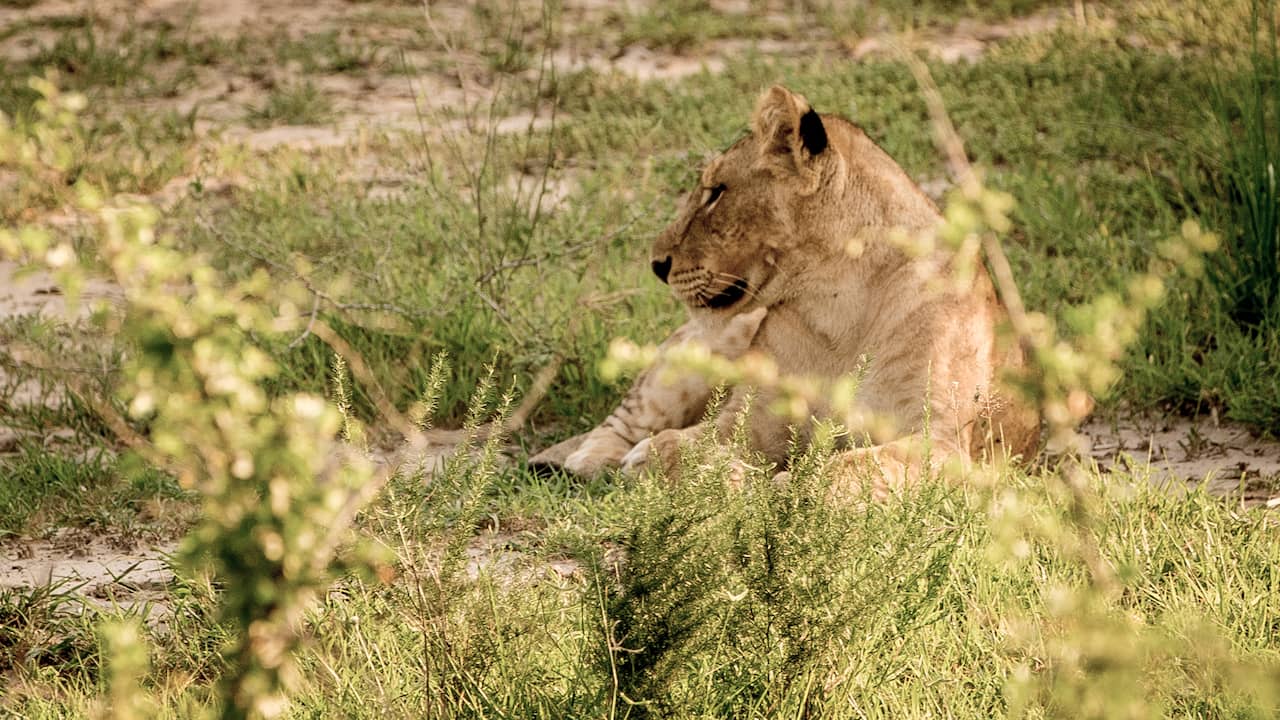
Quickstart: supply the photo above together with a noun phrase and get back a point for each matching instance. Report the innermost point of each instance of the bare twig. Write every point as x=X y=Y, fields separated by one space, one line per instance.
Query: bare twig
x=112 y=418
x=361 y=371
x=950 y=143
x=315 y=306
x=1073 y=478
x=307 y=282
x=538 y=390
x=345 y=517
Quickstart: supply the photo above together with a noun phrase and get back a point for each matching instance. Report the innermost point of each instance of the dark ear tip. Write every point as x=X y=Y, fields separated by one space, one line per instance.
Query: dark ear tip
x=812 y=133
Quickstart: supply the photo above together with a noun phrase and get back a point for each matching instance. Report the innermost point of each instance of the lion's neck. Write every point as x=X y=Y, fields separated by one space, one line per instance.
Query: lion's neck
x=850 y=293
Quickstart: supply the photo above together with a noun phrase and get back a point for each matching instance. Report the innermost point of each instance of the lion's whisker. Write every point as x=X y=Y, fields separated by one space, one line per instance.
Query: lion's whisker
x=747 y=288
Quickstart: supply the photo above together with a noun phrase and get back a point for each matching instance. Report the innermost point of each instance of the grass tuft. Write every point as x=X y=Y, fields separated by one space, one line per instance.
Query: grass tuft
x=292 y=104
x=1247 y=280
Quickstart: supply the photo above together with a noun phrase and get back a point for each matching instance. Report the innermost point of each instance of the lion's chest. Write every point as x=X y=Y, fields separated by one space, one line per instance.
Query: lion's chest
x=805 y=340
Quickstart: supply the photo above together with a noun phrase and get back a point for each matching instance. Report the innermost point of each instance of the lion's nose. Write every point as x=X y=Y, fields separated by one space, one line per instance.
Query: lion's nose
x=662 y=268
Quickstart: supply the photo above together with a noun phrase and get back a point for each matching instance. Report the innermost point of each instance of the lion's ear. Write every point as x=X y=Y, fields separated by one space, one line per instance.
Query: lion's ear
x=787 y=128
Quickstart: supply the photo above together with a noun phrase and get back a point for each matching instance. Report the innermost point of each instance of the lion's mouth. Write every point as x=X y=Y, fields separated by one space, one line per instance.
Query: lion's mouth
x=727 y=296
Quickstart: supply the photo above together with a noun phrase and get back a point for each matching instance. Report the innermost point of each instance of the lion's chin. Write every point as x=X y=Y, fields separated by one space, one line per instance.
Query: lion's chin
x=727 y=297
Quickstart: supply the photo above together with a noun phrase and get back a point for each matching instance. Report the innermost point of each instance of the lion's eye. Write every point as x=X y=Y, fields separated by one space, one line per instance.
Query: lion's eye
x=715 y=194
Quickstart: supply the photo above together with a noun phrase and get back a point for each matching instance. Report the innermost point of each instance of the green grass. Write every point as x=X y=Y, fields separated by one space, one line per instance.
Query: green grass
x=45 y=627
x=329 y=52
x=42 y=487
x=1099 y=145
x=769 y=602
x=291 y=104
x=87 y=60
x=693 y=601
x=125 y=148
x=1216 y=344
x=858 y=19
x=682 y=25
x=52 y=22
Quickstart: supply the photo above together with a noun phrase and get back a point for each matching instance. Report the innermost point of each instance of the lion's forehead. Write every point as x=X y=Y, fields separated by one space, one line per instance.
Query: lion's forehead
x=712 y=168
x=729 y=164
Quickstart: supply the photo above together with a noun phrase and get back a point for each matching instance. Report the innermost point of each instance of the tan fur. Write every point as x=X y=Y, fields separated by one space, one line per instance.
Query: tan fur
x=661 y=397
x=783 y=226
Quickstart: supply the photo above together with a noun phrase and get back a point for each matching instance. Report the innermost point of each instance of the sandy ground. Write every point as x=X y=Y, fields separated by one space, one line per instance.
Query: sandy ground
x=102 y=569
x=36 y=293
x=1228 y=459
x=425 y=98
x=107 y=570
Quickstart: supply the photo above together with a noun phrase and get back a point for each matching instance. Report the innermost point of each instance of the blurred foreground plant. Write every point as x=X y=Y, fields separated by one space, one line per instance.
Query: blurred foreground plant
x=278 y=493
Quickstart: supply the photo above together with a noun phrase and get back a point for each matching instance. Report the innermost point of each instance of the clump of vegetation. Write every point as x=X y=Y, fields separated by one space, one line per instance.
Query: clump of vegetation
x=313 y=585
x=1246 y=279
x=746 y=603
x=292 y=104
x=276 y=499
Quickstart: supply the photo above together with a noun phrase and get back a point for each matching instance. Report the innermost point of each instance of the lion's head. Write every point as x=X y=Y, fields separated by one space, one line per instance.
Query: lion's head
x=796 y=189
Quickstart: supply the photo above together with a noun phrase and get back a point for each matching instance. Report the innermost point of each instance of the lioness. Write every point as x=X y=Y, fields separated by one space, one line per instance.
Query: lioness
x=797 y=217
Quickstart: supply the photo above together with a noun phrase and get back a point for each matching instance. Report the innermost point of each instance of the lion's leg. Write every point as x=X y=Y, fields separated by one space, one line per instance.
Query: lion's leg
x=663 y=453
x=603 y=448
x=663 y=449
x=766 y=434
x=1012 y=432
x=648 y=407
x=664 y=397
x=883 y=470
x=551 y=460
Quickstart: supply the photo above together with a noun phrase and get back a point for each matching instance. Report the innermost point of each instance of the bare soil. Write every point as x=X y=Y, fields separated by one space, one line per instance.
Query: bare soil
x=103 y=569
x=1177 y=452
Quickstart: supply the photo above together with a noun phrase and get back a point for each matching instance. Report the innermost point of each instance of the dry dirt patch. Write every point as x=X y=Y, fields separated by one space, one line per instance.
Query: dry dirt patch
x=1176 y=452
x=966 y=40
x=36 y=293
x=105 y=570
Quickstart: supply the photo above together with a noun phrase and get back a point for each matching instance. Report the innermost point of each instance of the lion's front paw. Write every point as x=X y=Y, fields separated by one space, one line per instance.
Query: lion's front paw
x=636 y=458
x=881 y=470
x=586 y=464
x=660 y=452
x=601 y=452
x=860 y=473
